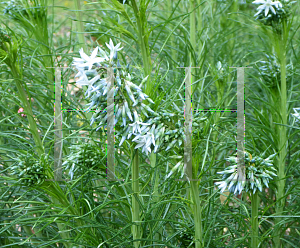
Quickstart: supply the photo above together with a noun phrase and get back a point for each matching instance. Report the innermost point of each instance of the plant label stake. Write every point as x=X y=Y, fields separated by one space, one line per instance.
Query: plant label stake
x=188 y=159
x=240 y=139
x=58 y=141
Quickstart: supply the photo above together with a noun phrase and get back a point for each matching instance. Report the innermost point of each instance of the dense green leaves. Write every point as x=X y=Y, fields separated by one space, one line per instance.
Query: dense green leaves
x=90 y=211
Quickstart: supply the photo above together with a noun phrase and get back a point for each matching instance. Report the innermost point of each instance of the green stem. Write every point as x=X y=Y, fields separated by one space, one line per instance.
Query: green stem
x=254 y=220
x=197 y=214
x=193 y=36
x=79 y=24
x=135 y=196
x=61 y=228
x=59 y=198
x=172 y=39
x=199 y=28
x=140 y=14
x=282 y=137
x=155 y=191
x=153 y=163
x=192 y=30
x=32 y=123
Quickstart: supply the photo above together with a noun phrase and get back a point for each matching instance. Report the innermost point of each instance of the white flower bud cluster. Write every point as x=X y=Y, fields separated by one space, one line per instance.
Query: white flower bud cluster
x=258 y=172
x=85 y=156
x=270 y=71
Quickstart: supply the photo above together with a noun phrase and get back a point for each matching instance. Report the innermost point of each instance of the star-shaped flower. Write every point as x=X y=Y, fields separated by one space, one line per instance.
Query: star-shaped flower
x=266 y=5
x=113 y=49
x=84 y=81
x=86 y=60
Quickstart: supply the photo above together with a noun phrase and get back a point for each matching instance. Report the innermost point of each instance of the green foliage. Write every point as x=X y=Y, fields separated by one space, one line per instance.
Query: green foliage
x=89 y=210
x=29 y=170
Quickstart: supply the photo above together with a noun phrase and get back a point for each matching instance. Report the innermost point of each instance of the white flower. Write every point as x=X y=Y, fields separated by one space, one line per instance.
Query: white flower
x=113 y=49
x=136 y=126
x=82 y=76
x=86 y=60
x=266 y=5
x=150 y=139
x=222 y=185
x=145 y=142
x=85 y=81
x=297 y=115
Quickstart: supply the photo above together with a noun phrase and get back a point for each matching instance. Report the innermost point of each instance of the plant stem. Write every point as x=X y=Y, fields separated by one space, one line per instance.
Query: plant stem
x=135 y=189
x=199 y=28
x=282 y=135
x=61 y=228
x=172 y=39
x=153 y=163
x=193 y=36
x=197 y=214
x=155 y=178
x=254 y=220
x=140 y=14
x=79 y=24
x=192 y=30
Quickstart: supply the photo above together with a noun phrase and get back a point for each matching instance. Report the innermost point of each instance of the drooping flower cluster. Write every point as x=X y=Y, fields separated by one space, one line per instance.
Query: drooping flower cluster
x=258 y=172
x=271 y=13
x=29 y=170
x=83 y=157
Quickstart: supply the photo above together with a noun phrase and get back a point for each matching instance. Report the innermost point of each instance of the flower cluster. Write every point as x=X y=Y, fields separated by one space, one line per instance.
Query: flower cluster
x=166 y=130
x=133 y=118
x=258 y=172
x=85 y=157
x=171 y=133
x=30 y=171
x=173 y=125
x=271 y=13
x=270 y=71
x=128 y=97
